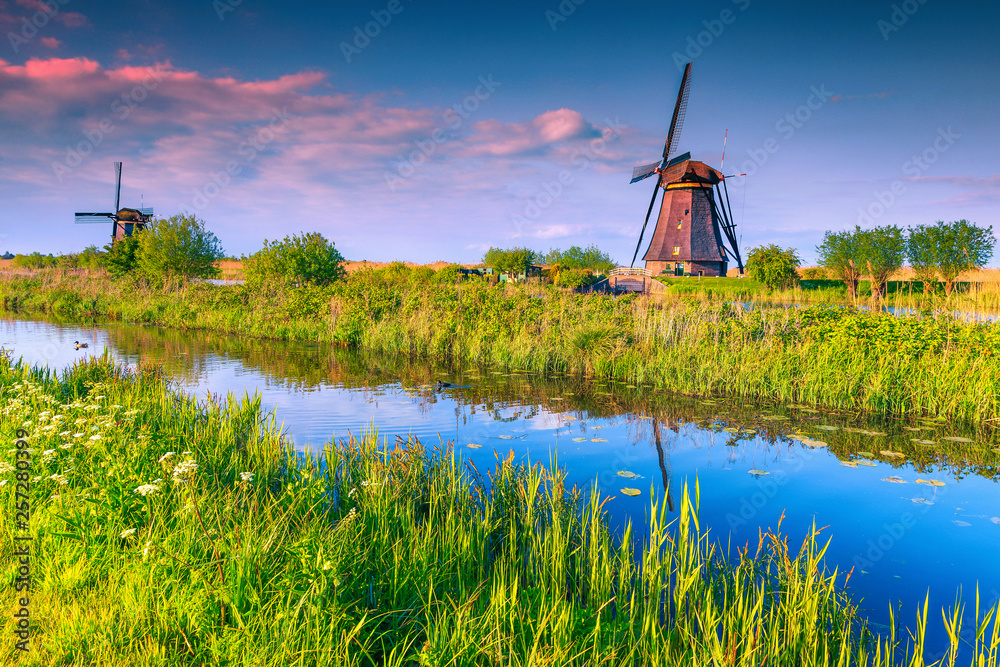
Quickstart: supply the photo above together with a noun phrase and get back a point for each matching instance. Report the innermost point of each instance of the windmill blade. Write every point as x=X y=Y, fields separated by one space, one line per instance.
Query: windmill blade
x=680 y=109
x=118 y=189
x=644 y=171
x=92 y=218
x=656 y=190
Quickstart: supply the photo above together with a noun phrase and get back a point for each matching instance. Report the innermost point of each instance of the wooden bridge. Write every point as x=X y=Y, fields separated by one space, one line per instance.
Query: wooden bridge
x=629 y=280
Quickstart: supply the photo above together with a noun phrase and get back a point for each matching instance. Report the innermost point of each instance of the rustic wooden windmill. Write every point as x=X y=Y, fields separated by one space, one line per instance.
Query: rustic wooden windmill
x=696 y=221
x=124 y=221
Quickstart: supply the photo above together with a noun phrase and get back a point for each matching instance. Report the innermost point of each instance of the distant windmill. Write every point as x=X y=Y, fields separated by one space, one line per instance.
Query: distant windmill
x=694 y=216
x=124 y=221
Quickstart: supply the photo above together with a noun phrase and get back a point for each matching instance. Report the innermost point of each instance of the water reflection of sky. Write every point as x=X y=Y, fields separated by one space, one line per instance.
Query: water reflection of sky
x=901 y=539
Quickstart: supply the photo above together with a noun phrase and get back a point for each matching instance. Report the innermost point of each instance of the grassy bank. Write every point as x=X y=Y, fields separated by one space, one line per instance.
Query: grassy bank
x=827 y=356
x=168 y=531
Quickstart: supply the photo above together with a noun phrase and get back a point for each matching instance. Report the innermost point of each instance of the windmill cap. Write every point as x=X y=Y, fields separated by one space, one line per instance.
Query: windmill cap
x=694 y=172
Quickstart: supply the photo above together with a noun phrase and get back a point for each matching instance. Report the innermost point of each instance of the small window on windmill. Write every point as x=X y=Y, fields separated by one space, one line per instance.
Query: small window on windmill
x=677 y=250
x=679 y=221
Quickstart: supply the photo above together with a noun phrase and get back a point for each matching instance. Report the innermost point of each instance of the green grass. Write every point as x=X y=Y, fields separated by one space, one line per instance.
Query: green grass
x=832 y=356
x=378 y=555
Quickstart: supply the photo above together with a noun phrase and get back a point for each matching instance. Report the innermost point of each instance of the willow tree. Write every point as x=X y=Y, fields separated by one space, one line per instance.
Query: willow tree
x=839 y=254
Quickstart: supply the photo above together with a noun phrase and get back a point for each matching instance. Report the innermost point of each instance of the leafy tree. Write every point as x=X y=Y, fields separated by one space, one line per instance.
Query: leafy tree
x=773 y=266
x=121 y=257
x=950 y=249
x=881 y=250
x=511 y=261
x=921 y=249
x=178 y=246
x=307 y=259
x=576 y=257
x=35 y=260
x=838 y=254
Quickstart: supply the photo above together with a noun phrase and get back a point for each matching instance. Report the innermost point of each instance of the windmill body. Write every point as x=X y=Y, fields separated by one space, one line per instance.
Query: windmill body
x=695 y=223
x=124 y=221
x=687 y=239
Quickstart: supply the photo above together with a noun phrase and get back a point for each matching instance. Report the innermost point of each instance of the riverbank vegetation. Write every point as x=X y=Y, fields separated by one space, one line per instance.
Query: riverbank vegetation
x=169 y=531
x=837 y=357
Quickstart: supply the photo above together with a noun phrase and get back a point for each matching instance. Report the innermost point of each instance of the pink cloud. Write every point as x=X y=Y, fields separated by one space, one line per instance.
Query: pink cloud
x=51 y=42
x=491 y=137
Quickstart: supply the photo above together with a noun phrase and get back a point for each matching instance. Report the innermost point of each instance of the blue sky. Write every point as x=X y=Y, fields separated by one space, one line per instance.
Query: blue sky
x=267 y=120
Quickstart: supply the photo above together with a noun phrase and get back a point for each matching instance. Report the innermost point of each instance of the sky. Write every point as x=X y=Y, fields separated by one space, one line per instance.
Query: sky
x=425 y=131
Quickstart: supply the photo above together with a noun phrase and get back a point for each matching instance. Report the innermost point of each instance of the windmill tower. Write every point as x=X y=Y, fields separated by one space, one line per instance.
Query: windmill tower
x=695 y=221
x=124 y=221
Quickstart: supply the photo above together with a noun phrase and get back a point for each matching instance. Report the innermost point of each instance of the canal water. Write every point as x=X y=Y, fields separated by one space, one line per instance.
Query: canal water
x=910 y=505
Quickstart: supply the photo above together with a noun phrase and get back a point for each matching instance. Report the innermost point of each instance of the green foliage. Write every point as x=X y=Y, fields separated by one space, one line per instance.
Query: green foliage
x=814 y=273
x=839 y=254
x=880 y=250
x=773 y=266
x=948 y=250
x=512 y=261
x=575 y=278
x=590 y=257
x=178 y=247
x=307 y=259
x=121 y=257
x=35 y=260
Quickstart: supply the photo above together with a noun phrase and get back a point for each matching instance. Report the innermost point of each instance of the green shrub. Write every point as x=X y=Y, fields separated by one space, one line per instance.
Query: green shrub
x=121 y=257
x=178 y=246
x=307 y=259
x=773 y=266
x=814 y=273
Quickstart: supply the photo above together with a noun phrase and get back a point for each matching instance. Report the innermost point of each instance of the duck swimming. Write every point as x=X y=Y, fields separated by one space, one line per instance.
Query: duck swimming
x=78 y=345
x=443 y=385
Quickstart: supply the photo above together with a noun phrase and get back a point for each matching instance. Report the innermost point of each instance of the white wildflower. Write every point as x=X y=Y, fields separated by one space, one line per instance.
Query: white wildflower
x=60 y=479
x=184 y=470
x=78 y=435
x=147 y=489
x=350 y=494
x=128 y=532
x=98 y=398
x=5 y=468
x=246 y=476
x=166 y=457
x=66 y=445
x=145 y=552
x=3 y=482
x=64 y=434
x=95 y=437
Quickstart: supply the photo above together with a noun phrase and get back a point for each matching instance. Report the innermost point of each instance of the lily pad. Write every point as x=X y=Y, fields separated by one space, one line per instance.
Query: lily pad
x=631 y=492
x=627 y=474
x=472 y=445
x=579 y=439
x=506 y=437
x=826 y=427
x=598 y=439
x=925 y=443
x=758 y=472
x=865 y=462
x=894 y=479
x=867 y=455
x=996 y=520
x=963 y=524
x=874 y=434
x=922 y=501
x=808 y=442
x=750 y=431
x=892 y=454
x=957 y=439
x=849 y=464
x=772 y=418
x=931 y=482
x=730 y=429
x=801 y=437
x=597 y=428
x=809 y=410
